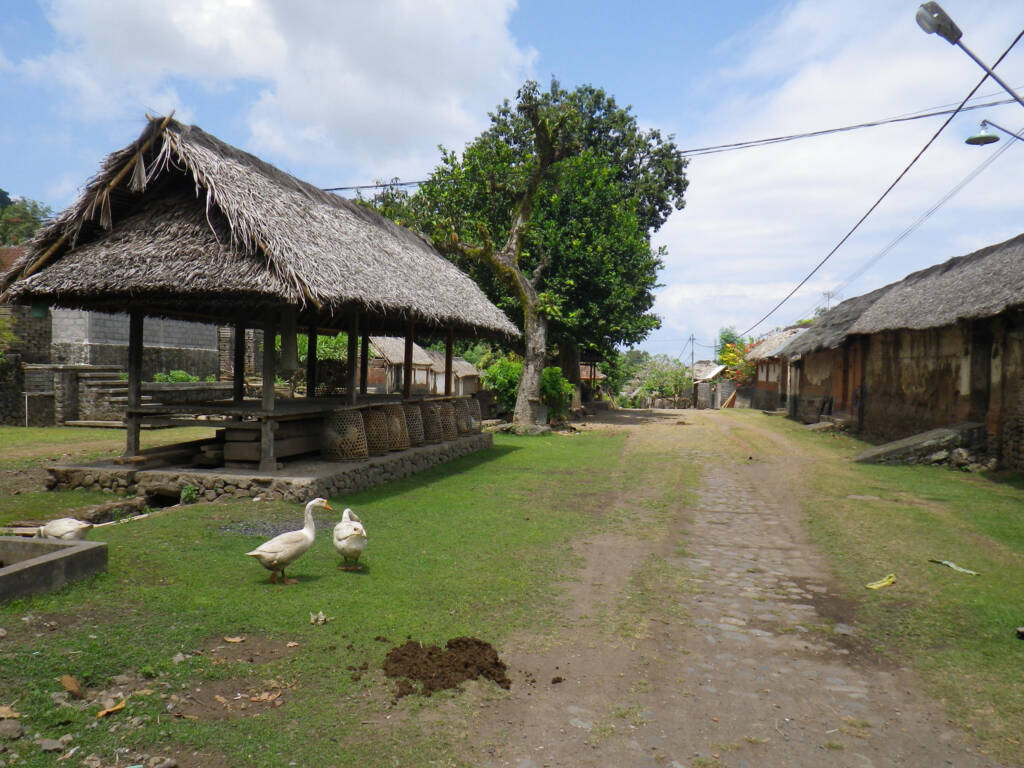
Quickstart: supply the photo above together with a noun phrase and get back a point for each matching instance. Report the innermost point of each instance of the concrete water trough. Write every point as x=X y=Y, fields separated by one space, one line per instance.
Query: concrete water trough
x=33 y=566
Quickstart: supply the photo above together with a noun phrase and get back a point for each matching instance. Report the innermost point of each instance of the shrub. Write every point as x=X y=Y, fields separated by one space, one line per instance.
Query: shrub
x=555 y=391
x=189 y=494
x=502 y=379
x=180 y=377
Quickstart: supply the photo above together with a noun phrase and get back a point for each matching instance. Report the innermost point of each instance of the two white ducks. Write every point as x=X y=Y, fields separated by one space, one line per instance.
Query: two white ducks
x=281 y=551
x=349 y=540
x=66 y=528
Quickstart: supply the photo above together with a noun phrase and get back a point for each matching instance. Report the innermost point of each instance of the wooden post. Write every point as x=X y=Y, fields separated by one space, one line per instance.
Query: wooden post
x=238 y=375
x=407 y=383
x=353 y=353
x=311 y=363
x=133 y=420
x=449 y=344
x=268 y=462
x=364 y=362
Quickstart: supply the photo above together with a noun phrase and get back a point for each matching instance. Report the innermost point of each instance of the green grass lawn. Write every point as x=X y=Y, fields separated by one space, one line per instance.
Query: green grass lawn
x=472 y=548
x=957 y=630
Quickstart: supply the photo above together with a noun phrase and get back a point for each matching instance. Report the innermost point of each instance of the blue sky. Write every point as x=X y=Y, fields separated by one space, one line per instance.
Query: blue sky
x=346 y=92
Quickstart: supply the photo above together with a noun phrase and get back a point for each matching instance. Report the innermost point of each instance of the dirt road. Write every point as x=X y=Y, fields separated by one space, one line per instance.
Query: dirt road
x=707 y=633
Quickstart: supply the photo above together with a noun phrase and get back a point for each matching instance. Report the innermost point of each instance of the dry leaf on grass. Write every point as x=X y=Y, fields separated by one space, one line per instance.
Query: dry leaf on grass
x=72 y=686
x=265 y=696
x=291 y=644
x=239 y=639
x=8 y=713
x=116 y=708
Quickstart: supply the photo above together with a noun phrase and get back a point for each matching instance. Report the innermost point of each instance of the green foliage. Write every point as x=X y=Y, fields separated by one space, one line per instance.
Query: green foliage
x=555 y=391
x=612 y=184
x=621 y=367
x=726 y=336
x=176 y=377
x=189 y=494
x=6 y=334
x=664 y=376
x=502 y=378
x=20 y=218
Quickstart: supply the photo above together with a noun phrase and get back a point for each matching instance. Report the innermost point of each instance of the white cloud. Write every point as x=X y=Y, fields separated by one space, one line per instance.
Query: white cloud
x=758 y=220
x=368 y=86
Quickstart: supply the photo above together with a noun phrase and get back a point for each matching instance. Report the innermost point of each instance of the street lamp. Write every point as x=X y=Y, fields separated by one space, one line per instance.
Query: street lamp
x=933 y=20
x=983 y=137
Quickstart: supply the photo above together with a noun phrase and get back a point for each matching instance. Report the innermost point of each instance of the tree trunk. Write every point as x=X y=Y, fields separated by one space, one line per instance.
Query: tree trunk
x=535 y=335
x=569 y=361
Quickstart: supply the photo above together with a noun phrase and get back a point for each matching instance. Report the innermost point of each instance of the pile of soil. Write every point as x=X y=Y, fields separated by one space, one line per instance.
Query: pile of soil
x=464 y=658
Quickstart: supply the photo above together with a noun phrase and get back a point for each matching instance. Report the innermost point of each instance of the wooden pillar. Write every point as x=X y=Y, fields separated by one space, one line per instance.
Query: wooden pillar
x=311 y=363
x=133 y=420
x=268 y=462
x=238 y=374
x=353 y=354
x=364 y=362
x=407 y=383
x=449 y=344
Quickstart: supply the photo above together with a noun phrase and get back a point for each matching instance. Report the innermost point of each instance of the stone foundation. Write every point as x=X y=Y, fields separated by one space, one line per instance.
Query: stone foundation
x=300 y=480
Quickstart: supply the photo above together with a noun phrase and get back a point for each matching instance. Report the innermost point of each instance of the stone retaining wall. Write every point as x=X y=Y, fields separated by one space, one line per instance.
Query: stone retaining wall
x=330 y=478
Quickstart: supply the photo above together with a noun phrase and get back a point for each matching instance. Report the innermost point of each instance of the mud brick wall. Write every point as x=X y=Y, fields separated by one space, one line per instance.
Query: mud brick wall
x=12 y=384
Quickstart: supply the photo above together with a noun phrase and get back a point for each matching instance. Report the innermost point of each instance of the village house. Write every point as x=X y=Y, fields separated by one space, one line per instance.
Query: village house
x=942 y=346
x=771 y=375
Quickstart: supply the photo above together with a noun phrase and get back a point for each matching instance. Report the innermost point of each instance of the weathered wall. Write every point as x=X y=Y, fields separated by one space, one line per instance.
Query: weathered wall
x=98 y=338
x=916 y=380
x=817 y=385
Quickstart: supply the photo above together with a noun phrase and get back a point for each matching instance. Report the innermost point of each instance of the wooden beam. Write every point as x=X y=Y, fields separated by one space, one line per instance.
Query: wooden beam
x=311 y=362
x=364 y=362
x=449 y=344
x=238 y=372
x=353 y=354
x=268 y=462
x=407 y=377
x=133 y=423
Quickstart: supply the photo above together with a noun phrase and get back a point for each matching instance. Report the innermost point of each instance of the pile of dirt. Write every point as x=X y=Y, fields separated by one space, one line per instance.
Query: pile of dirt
x=464 y=658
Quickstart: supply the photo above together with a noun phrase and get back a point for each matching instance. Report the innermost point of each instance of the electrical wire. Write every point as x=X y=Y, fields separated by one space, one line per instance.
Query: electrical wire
x=715 y=149
x=885 y=194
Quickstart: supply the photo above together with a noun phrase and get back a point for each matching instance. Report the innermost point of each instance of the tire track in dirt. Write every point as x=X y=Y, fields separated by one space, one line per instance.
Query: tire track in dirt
x=755 y=674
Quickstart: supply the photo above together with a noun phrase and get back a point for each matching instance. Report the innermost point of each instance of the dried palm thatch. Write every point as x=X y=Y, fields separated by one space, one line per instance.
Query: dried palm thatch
x=181 y=224
x=831 y=329
x=981 y=284
x=769 y=346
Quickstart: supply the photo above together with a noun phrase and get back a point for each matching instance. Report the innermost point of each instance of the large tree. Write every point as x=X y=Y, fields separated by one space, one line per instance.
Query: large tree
x=551 y=210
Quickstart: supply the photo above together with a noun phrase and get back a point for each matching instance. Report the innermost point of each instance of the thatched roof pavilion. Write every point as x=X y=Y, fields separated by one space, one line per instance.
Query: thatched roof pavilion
x=180 y=224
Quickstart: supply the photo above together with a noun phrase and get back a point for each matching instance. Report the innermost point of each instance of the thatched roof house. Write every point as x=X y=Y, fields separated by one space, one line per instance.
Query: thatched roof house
x=769 y=346
x=181 y=224
x=831 y=329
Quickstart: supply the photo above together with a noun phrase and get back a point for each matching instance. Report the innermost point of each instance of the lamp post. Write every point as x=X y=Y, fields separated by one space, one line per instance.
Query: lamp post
x=933 y=20
x=983 y=137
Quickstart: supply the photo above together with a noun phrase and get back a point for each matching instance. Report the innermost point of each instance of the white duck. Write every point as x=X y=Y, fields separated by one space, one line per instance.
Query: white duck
x=349 y=540
x=66 y=528
x=283 y=550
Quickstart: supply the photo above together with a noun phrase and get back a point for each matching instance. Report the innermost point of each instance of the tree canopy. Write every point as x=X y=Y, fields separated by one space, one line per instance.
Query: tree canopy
x=20 y=218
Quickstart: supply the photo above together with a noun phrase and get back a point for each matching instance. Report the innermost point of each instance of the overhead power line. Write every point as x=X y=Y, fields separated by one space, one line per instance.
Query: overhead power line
x=715 y=149
x=885 y=194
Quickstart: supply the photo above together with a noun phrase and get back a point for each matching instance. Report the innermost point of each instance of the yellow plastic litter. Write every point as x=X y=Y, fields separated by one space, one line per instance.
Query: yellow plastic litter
x=883 y=582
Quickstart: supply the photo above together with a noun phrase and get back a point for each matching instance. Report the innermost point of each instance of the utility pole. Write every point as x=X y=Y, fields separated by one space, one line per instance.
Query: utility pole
x=691 y=354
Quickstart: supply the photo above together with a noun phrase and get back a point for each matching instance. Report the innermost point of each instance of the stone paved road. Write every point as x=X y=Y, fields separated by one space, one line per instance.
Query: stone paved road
x=758 y=674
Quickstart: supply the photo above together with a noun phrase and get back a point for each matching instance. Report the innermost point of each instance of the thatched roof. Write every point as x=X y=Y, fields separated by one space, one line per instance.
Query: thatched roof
x=461 y=367
x=831 y=329
x=980 y=284
x=705 y=370
x=181 y=224
x=391 y=349
x=769 y=346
